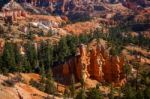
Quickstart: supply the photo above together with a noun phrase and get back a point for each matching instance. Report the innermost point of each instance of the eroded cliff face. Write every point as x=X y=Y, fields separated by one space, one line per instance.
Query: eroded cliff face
x=73 y=9
x=96 y=64
x=82 y=63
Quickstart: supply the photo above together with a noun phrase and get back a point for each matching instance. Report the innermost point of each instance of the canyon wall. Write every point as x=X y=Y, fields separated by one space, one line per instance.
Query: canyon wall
x=96 y=64
x=72 y=8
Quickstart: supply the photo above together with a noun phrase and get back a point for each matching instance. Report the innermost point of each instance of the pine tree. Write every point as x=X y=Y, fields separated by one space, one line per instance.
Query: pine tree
x=81 y=94
x=42 y=53
x=46 y=55
x=26 y=66
x=66 y=93
x=55 y=53
x=127 y=69
x=42 y=73
x=83 y=38
x=64 y=50
x=137 y=74
x=72 y=42
x=49 y=56
x=18 y=59
x=43 y=78
x=5 y=67
x=82 y=81
x=72 y=87
x=8 y=58
x=31 y=55
x=111 y=95
x=129 y=92
x=49 y=85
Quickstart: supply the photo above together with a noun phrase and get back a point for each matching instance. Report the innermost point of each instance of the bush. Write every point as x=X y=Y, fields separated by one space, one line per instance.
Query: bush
x=147 y=93
x=94 y=93
x=81 y=94
x=129 y=92
x=9 y=83
x=37 y=85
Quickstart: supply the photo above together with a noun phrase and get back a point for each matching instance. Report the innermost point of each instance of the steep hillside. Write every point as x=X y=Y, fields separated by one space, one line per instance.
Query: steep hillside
x=74 y=49
x=14 y=87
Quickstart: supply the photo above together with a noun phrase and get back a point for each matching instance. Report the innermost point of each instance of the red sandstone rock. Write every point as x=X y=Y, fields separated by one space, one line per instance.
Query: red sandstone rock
x=96 y=64
x=95 y=69
x=14 y=10
x=66 y=69
x=82 y=63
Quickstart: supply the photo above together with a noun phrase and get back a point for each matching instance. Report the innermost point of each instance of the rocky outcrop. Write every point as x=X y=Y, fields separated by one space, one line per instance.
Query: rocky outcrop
x=81 y=64
x=13 y=10
x=95 y=64
x=21 y=90
x=74 y=9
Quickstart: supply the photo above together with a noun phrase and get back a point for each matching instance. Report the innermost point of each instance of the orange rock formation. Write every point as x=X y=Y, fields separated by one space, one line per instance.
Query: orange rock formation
x=14 y=10
x=96 y=64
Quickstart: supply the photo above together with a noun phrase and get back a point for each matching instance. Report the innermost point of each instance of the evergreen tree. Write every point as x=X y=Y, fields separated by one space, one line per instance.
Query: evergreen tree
x=49 y=56
x=18 y=59
x=72 y=87
x=42 y=53
x=97 y=34
x=46 y=55
x=31 y=55
x=8 y=58
x=129 y=92
x=43 y=78
x=111 y=94
x=83 y=38
x=81 y=94
x=55 y=54
x=127 y=70
x=66 y=93
x=42 y=73
x=26 y=66
x=94 y=93
x=64 y=50
x=49 y=85
x=147 y=93
x=137 y=74
x=140 y=94
x=145 y=78
x=72 y=42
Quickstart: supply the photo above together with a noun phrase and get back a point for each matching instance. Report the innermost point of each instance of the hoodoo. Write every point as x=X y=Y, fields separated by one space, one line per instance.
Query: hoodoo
x=95 y=64
x=13 y=10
